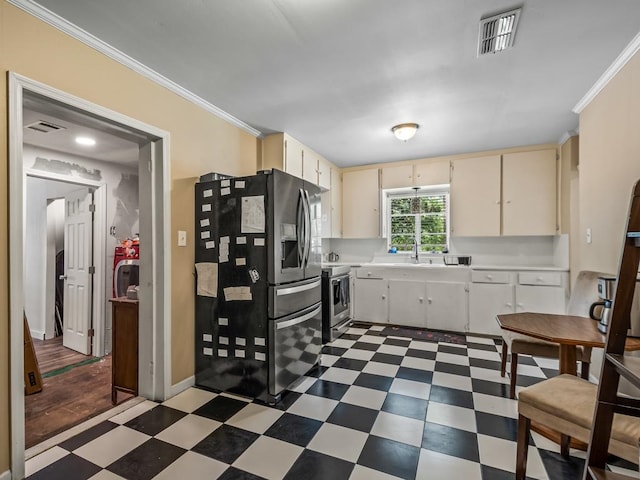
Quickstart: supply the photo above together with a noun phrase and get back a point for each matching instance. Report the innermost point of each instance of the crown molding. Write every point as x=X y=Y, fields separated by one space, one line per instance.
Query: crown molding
x=566 y=136
x=629 y=51
x=85 y=37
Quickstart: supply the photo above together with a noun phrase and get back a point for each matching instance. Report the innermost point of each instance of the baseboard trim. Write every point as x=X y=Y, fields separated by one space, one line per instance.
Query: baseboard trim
x=182 y=386
x=5 y=475
x=38 y=335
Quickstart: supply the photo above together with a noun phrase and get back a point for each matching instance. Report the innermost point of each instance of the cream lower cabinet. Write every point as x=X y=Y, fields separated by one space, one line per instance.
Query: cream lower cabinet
x=407 y=303
x=371 y=300
x=485 y=302
x=447 y=306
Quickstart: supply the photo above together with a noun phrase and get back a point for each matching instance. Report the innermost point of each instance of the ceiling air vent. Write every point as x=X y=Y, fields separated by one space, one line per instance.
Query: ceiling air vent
x=497 y=32
x=44 y=127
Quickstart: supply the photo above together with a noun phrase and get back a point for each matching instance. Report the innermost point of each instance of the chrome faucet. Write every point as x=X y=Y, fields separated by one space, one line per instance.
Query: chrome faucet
x=415 y=255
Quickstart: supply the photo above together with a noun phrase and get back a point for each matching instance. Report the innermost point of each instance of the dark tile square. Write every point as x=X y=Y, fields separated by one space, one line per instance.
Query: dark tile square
x=497 y=426
x=451 y=396
x=337 y=351
x=387 y=358
x=351 y=364
x=312 y=465
x=525 y=360
x=450 y=441
x=527 y=381
x=70 y=467
x=85 y=437
x=350 y=336
x=225 y=443
x=354 y=417
x=288 y=398
x=316 y=371
x=366 y=346
x=426 y=354
x=147 y=460
x=233 y=473
x=398 y=342
x=155 y=420
x=220 y=408
x=415 y=374
x=550 y=372
x=451 y=349
x=453 y=369
x=405 y=406
x=481 y=346
x=557 y=466
x=391 y=457
x=490 y=388
x=327 y=389
x=483 y=363
x=294 y=429
x=491 y=473
x=377 y=382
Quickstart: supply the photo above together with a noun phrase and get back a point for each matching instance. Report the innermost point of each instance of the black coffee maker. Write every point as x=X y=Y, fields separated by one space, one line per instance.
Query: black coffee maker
x=606 y=290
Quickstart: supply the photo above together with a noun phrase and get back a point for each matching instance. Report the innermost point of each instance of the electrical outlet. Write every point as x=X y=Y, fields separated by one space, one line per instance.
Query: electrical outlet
x=182 y=238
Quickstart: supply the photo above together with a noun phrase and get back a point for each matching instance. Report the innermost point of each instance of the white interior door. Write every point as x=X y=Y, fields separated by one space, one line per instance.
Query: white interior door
x=78 y=228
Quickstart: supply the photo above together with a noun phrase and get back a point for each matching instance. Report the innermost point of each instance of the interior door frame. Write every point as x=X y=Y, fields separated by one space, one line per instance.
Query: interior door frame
x=98 y=284
x=155 y=353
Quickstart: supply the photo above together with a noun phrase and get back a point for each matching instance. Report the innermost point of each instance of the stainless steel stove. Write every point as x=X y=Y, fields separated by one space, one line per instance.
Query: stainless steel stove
x=336 y=301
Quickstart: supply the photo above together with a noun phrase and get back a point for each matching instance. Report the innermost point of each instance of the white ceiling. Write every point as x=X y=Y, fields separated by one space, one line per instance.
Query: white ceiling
x=337 y=74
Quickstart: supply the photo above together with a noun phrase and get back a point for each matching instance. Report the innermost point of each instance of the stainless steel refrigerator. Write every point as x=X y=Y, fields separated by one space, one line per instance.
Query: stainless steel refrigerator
x=258 y=287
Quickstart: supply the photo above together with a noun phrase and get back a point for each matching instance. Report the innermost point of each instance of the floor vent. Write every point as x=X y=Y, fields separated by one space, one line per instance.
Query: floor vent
x=497 y=32
x=44 y=127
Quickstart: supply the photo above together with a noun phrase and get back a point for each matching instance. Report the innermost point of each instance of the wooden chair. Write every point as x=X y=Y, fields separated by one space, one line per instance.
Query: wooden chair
x=583 y=294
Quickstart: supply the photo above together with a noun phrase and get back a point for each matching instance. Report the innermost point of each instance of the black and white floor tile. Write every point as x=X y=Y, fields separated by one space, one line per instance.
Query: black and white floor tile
x=378 y=407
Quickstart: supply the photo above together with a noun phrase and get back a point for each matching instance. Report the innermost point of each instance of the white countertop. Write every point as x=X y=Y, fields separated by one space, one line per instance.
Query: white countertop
x=551 y=268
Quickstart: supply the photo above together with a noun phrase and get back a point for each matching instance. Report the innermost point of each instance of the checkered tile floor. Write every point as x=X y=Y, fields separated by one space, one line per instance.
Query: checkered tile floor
x=378 y=407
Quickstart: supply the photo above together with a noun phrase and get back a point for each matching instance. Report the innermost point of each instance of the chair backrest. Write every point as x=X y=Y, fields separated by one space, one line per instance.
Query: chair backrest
x=584 y=292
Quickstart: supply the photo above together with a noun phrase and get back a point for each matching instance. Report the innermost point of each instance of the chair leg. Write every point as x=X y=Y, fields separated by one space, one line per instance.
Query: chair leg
x=514 y=374
x=584 y=370
x=503 y=363
x=524 y=424
x=565 y=441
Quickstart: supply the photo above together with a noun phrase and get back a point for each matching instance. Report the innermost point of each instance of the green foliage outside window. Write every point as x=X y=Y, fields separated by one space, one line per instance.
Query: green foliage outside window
x=423 y=219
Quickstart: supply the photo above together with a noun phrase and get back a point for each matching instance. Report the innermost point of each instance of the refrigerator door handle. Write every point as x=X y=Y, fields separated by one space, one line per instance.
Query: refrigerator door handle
x=296 y=321
x=301 y=288
x=301 y=228
x=307 y=228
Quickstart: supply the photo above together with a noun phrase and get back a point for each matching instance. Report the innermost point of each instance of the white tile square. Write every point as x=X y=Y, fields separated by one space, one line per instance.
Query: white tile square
x=44 y=459
x=481 y=340
x=338 y=441
x=419 y=363
x=438 y=465
x=255 y=418
x=109 y=447
x=425 y=346
x=328 y=360
x=379 y=368
x=133 y=412
x=495 y=405
x=342 y=343
x=340 y=375
x=357 y=331
x=393 y=350
x=452 y=381
x=488 y=374
x=363 y=473
x=452 y=359
x=302 y=384
x=452 y=416
x=188 y=431
x=364 y=397
x=398 y=428
x=358 y=354
x=372 y=339
x=107 y=475
x=410 y=388
x=268 y=458
x=529 y=370
x=192 y=465
x=499 y=453
x=190 y=400
x=484 y=355
x=312 y=406
x=551 y=363
x=377 y=328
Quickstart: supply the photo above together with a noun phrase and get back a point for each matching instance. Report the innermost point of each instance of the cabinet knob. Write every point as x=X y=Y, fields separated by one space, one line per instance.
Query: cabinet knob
x=421 y=299
x=508 y=304
x=384 y=296
x=429 y=301
x=368 y=274
x=497 y=202
x=490 y=277
x=540 y=279
x=520 y=304
x=508 y=201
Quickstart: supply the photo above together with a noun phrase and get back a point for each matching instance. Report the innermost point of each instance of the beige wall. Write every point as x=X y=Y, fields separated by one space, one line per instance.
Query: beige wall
x=200 y=143
x=609 y=166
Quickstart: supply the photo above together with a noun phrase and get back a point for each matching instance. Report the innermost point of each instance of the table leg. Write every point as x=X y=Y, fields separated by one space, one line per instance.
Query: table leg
x=568 y=359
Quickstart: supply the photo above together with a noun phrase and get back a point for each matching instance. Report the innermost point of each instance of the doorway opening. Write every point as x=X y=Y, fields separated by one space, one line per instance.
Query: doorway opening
x=93 y=335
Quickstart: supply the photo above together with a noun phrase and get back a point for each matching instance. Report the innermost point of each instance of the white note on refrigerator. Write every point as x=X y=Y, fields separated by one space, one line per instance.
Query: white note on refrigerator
x=253 y=215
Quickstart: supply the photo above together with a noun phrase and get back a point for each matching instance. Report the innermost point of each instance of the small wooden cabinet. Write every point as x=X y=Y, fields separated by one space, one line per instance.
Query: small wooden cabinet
x=124 y=350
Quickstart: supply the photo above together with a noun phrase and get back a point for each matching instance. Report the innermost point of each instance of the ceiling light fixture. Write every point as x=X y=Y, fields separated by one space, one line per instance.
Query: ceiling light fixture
x=85 y=141
x=405 y=131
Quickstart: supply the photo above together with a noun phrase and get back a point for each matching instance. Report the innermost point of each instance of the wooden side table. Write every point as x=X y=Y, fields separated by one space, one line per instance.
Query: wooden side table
x=124 y=347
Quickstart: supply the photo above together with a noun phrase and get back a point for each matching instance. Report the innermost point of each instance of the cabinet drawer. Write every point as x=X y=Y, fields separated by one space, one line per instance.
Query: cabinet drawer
x=369 y=273
x=540 y=278
x=490 y=276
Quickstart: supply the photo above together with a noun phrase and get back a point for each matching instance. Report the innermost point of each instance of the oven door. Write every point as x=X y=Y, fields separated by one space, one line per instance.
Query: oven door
x=295 y=342
x=340 y=298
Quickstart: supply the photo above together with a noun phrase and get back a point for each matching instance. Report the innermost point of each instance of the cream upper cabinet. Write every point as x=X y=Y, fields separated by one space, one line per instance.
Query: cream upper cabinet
x=336 y=203
x=324 y=173
x=529 y=193
x=293 y=155
x=475 y=196
x=360 y=204
x=432 y=173
x=310 y=165
x=397 y=177
x=283 y=152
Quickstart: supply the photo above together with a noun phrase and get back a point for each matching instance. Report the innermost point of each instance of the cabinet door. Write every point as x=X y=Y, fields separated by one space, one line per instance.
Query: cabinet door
x=529 y=193
x=371 y=300
x=293 y=157
x=475 y=196
x=325 y=222
x=397 y=177
x=432 y=173
x=336 y=203
x=310 y=166
x=360 y=204
x=531 y=298
x=324 y=173
x=485 y=302
x=407 y=305
x=447 y=304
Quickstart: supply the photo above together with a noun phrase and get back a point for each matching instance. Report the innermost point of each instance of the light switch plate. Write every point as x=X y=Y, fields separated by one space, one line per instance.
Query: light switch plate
x=182 y=238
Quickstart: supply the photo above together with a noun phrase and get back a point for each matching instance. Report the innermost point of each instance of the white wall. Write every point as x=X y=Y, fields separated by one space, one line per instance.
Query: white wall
x=55 y=243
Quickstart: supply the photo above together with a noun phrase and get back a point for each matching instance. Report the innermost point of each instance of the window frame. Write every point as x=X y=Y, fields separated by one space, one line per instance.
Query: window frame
x=410 y=192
